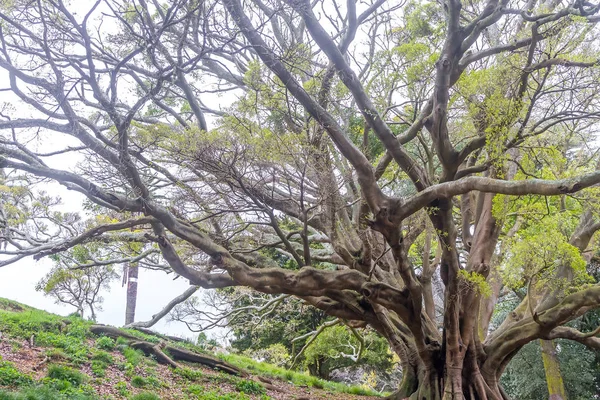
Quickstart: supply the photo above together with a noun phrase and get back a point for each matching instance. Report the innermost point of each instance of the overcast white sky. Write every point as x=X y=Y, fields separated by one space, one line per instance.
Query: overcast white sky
x=155 y=289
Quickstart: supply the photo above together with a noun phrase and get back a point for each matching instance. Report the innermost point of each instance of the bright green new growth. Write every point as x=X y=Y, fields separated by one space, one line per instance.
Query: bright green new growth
x=537 y=254
x=476 y=280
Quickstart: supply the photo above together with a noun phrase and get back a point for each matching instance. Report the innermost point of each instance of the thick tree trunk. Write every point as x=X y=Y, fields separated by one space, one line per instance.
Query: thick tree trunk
x=460 y=383
x=132 y=278
x=554 y=380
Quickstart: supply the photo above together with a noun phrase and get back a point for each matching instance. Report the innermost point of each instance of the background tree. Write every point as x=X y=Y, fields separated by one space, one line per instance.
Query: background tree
x=525 y=376
x=80 y=288
x=351 y=129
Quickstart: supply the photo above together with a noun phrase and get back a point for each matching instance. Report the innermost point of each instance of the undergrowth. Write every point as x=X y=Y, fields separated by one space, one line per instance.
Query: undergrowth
x=297 y=378
x=69 y=346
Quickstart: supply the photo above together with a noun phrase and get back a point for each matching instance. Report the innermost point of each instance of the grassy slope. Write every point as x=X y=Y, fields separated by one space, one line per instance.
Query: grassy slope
x=45 y=357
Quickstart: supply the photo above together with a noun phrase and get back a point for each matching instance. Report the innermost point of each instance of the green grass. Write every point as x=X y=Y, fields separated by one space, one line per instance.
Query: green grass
x=47 y=330
x=67 y=341
x=195 y=390
x=103 y=356
x=11 y=376
x=250 y=387
x=134 y=357
x=99 y=368
x=143 y=336
x=139 y=381
x=145 y=396
x=43 y=393
x=216 y=395
x=122 y=388
x=32 y=322
x=189 y=373
x=297 y=378
x=105 y=343
x=60 y=372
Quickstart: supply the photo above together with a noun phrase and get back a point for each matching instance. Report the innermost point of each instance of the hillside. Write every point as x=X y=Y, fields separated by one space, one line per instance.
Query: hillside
x=45 y=356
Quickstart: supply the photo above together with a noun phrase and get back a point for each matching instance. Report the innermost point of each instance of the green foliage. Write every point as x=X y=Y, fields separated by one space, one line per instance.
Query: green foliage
x=65 y=340
x=29 y=322
x=217 y=395
x=10 y=376
x=189 y=373
x=276 y=354
x=537 y=252
x=145 y=396
x=337 y=347
x=142 y=382
x=250 y=387
x=195 y=390
x=103 y=356
x=133 y=356
x=477 y=281
x=142 y=336
x=122 y=388
x=48 y=330
x=73 y=345
x=43 y=393
x=79 y=288
x=56 y=354
x=525 y=378
x=139 y=381
x=99 y=368
x=154 y=381
x=105 y=343
x=205 y=343
x=63 y=373
x=290 y=319
x=297 y=378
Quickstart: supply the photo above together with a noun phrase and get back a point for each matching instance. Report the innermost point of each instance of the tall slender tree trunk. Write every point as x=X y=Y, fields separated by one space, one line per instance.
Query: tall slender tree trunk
x=554 y=380
x=132 y=283
x=92 y=313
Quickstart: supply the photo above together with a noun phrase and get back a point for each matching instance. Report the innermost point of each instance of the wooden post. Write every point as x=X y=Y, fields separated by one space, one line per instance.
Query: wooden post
x=132 y=282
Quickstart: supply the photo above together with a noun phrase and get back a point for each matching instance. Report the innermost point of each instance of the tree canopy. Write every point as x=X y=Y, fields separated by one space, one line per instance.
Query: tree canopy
x=397 y=164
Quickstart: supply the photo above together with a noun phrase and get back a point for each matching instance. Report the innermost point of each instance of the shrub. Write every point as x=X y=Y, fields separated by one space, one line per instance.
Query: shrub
x=42 y=393
x=134 y=357
x=275 y=354
x=122 y=388
x=67 y=374
x=56 y=354
x=145 y=396
x=189 y=373
x=250 y=387
x=99 y=368
x=215 y=395
x=73 y=346
x=317 y=383
x=10 y=376
x=103 y=357
x=30 y=322
x=78 y=328
x=106 y=343
x=289 y=375
x=154 y=381
x=139 y=381
x=195 y=390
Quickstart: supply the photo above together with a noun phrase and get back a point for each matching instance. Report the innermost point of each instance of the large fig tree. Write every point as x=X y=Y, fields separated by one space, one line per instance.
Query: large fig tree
x=355 y=155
